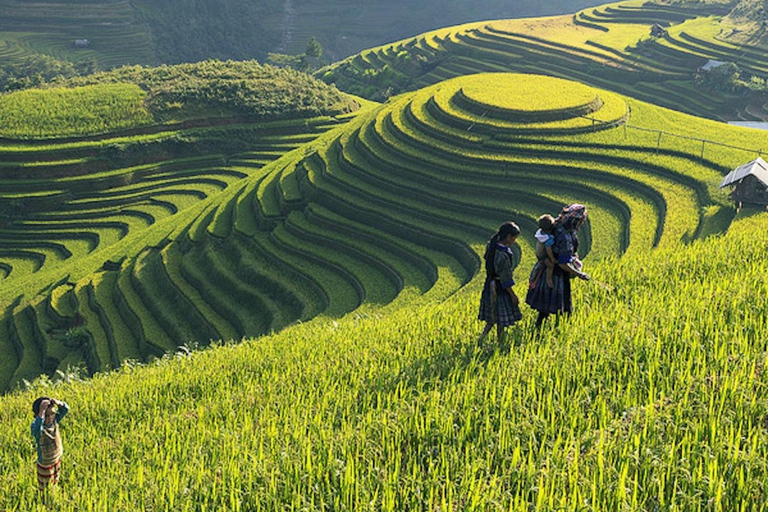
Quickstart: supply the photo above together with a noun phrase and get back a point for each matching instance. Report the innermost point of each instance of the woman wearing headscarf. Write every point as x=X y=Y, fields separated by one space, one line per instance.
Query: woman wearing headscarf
x=557 y=299
x=499 y=305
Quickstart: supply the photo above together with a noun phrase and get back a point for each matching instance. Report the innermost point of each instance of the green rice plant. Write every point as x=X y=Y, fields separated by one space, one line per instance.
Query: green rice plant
x=10 y=349
x=173 y=261
x=249 y=307
x=397 y=170
x=441 y=236
x=608 y=47
x=80 y=111
x=151 y=333
x=299 y=294
x=399 y=126
x=125 y=344
x=404 y=411
x=183 y=322
x=449 y=164
x=97 y=350
x=63 y=300
x=342 y=291
x=526 y=186
x=382 y=276
x=416 y=268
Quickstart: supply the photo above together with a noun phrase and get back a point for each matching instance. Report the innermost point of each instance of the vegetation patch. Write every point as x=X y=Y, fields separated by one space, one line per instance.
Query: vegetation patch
x=526 y=94
x=222 y=89
x=61 y=112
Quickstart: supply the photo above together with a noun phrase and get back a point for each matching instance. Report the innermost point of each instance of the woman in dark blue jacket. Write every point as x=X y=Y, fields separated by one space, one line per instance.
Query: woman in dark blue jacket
x=557 y=299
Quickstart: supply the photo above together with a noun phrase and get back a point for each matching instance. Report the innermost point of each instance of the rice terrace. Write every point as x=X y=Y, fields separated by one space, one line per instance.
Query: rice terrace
x=247 y=286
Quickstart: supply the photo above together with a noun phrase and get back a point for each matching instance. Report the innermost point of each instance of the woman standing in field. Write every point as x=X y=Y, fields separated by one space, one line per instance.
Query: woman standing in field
x=498 y=304
x=557 y=299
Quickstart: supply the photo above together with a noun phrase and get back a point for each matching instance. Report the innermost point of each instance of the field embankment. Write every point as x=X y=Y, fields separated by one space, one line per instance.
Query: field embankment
x=386 y=209
x=651 y=51
x=650 y=397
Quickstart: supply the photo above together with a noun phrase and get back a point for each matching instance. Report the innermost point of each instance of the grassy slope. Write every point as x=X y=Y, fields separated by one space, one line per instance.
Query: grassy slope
x=639 y=196
x=171 y=31
x=655 y=401
x=609 y=46
x=69 y=112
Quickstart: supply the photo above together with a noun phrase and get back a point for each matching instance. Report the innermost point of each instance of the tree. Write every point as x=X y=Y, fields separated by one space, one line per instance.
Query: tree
x=314 y=48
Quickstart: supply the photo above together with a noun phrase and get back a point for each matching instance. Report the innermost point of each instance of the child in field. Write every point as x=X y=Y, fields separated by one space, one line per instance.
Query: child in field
x=545 y=241
x=45 y=429
x=499 y=305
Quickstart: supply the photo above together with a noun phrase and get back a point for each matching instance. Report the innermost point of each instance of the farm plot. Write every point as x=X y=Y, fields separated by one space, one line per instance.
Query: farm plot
x=67 y=215
x=390 y=209
x=610 y=47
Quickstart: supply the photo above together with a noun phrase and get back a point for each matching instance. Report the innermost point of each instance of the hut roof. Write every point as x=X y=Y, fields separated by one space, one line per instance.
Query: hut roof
x=712 y=64
x=757 y=168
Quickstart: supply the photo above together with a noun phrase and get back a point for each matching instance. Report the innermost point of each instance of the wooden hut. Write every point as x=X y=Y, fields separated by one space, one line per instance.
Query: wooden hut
x=658 y=31
x=749 y=182
x=82 y=43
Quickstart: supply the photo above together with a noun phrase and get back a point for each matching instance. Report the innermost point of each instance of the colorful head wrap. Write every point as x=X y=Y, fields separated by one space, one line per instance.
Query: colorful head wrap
x=572 y=216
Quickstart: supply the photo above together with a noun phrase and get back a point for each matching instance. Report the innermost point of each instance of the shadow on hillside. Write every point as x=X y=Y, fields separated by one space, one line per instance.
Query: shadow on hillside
x=749 y=211
x=450 y=360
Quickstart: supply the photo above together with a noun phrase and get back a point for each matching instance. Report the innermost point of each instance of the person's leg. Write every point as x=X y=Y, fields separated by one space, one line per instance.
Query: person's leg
x=500 y=333
x=486 y=330
x=43 y=479
x=542 y=316
x=550 y=273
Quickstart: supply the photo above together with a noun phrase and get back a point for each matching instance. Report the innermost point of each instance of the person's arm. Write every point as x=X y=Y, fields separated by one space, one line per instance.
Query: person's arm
x=565 y=255
x=570 y=269
x=37 y=425
x=63 y=410
x=504 y=271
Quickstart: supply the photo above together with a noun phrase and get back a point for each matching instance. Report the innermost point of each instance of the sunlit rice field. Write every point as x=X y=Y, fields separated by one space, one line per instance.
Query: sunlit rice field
x=650 y=398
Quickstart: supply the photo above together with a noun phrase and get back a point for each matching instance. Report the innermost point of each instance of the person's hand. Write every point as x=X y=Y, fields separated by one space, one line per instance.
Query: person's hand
x=43 y=407
x=584 y=276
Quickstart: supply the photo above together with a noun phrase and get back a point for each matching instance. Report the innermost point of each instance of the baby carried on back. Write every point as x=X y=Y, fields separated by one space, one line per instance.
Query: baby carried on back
x=545 y=239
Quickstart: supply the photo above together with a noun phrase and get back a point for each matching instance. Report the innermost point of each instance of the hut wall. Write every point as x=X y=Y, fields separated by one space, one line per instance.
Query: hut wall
x=751 y=190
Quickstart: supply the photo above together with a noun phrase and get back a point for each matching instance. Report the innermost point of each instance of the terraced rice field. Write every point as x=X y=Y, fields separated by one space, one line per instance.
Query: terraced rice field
x=116 y=36
x=76 y=205
x=369 y=213
x=651 y=397
x=608 y=47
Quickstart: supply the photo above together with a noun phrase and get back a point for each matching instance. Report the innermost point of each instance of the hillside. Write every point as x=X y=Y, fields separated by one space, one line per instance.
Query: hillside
x=650 y=398
x=161 y=146
x=610 y=46
x=257 y=292
x=122 y=32
x=394 y=205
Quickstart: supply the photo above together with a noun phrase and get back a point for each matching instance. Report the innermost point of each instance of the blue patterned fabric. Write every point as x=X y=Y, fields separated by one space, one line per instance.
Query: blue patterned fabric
x=544 y=299
x=500 y=277
x=540 y=296
x=506 y=312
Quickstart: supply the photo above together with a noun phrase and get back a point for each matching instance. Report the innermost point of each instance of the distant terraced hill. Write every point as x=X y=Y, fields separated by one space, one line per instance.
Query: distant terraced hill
x=90 y=170
x=390 y=209
x=116 y=33
x=609 y=47
x=122 y=32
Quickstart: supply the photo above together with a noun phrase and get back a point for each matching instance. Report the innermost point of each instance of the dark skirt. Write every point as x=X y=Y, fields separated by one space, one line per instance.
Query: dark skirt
x=544 y=299
x=506 y=312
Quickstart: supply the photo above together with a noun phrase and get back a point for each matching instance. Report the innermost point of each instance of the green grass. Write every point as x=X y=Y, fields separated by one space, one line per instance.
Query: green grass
x=404 y=412
x=389 y=210
x=609 y=47
x=80 y=111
